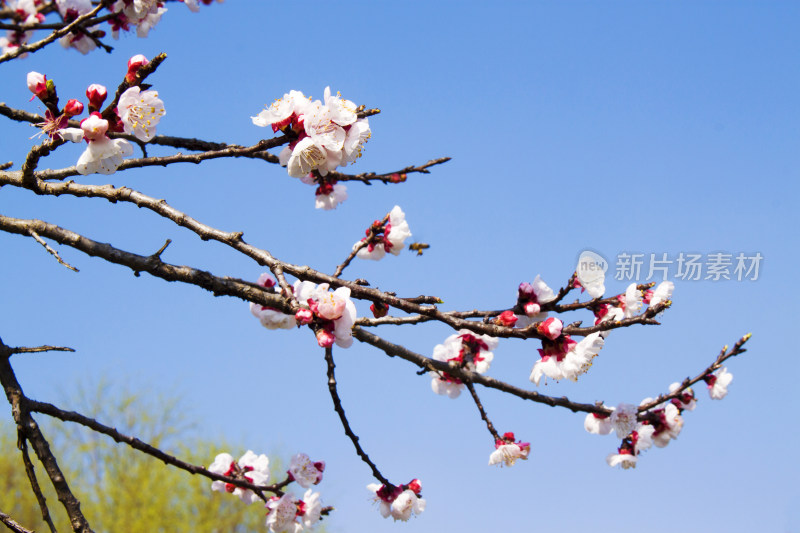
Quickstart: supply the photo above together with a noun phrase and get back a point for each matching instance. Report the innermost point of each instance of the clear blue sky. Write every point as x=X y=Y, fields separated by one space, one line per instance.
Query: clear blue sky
x=658 y=127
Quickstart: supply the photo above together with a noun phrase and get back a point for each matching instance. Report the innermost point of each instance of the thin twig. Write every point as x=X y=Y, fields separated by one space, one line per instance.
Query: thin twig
x=140 y=263
x=371 y=232
x=456 y=371
x=484 y=416
x=38 y=45
x=136 y=444
x=337 y=405
x=388 y=177
x=13 y=525
x=38 y=349
x=52 y=252
x=37 y=491
x=28 y=426
x=686 y=383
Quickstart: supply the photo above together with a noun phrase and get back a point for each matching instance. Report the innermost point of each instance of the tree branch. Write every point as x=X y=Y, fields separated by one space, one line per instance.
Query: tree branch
x=337 y=405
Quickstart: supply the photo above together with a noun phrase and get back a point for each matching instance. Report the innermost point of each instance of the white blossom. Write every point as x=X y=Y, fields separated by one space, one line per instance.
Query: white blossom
x=507 y=454
x=304 y=471
x=395 y=233
x=254 y=468
x=406 y=504
x=140 y=112
x=282 y=513
x=623 y=419
x=662 y=293
x=331 y=200
x=718 y=385
x=103 y=156
x=632 y=301
x=597 y=425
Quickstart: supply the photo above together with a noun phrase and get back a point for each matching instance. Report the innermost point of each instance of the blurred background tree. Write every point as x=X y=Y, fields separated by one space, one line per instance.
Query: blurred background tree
x=119 y=488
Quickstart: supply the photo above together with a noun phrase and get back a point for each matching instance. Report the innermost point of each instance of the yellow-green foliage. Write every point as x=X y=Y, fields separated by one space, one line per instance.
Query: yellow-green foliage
x=122 y=490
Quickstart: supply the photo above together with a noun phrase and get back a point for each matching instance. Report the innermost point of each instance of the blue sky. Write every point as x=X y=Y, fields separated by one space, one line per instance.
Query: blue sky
x=658 y=127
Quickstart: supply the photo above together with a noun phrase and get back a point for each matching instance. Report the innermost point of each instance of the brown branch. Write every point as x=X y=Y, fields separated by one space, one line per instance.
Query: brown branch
x=31 y=431
x=52 y=37
x=38 y=349
x=454 y=370
x=387 y=177
x=139 y=445
x=359 y=245
x=51 y=251
x=161 y=140
x=37 y=491
x=484 y=416
x=337 y=405
x=13 y=525
x=686 y=383
x=231 y=151
x=149 y=264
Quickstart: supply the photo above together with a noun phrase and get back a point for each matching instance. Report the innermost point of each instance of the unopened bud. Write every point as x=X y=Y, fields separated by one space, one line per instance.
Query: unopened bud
x=37 y=84
x=134 y=64
x=507 y=319
x=325 y=338
x=73 y=107
x=532 y=308
x=304 y=316
x=97 y=95
x=95 y=127
x=379 y=309
x=551 y=328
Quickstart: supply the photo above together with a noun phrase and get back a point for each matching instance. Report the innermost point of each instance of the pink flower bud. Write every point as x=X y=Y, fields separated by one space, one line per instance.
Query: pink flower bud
x=551 y=328
x=134 y=64
x=265 y=280
x=37 y=84
x=95 y=127
x=304 y=316
x=526 y=290
x=325 y=338
x=532 y=308
x=379 y=309
x=97 y=95
x=73 y=108
x=507 y=319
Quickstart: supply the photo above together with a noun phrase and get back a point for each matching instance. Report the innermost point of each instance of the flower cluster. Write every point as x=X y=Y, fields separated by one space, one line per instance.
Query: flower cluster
x=270 y=317
x=564 y=358
x=126 y=15
x=250 y=467
x=141 y=14
x=465 y=350
x=27 y=13
x=399 y=502
x=385 y=236
x=84 y=40
x=326 y=135
x=286 y=513
x=331 y=314
x=507 y=451
x=530 y=298
x=137 y=113
x=328 y=194
x=639 y=431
